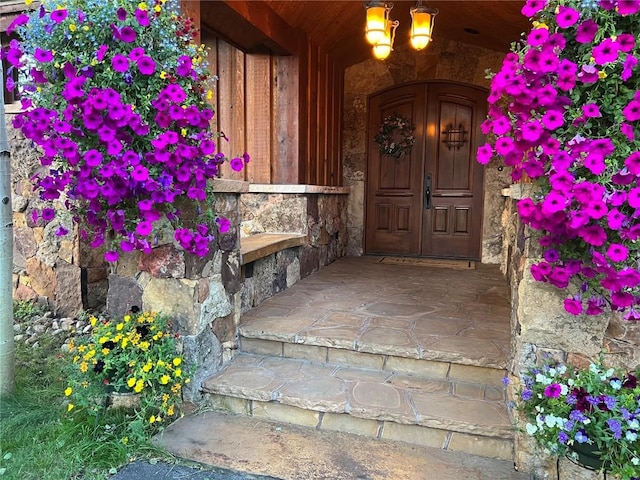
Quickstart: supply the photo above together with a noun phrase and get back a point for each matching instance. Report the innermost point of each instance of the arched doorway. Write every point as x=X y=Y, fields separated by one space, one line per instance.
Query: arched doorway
x=428 y=202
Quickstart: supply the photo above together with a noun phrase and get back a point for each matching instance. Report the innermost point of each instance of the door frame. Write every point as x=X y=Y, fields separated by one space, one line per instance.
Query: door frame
x=477 y=138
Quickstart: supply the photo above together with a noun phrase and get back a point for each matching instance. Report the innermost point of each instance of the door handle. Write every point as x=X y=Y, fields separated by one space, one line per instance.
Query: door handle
x=427 y=192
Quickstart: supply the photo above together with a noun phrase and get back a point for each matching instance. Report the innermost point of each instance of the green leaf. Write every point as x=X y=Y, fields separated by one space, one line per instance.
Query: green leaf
x=7 y=456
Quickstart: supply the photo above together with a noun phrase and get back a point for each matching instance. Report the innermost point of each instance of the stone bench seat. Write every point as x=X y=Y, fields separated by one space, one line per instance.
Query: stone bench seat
x=261 y=245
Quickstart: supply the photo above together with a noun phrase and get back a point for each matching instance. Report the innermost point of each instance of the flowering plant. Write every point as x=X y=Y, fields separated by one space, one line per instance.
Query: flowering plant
x=115 y=97
x=598 y=406
x=565 y=110
x=395 y=136
x=137 y=355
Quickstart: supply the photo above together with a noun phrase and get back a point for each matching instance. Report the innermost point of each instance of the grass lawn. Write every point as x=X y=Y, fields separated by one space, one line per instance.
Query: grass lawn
x=38 y=441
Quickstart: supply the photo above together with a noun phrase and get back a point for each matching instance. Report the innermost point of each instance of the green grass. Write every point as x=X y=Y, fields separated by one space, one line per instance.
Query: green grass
x=38 y=440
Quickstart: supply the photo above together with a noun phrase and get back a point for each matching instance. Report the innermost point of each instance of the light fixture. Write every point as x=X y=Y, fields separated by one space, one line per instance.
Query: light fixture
x=383 y=48
x=422 y=19
x=377 y=18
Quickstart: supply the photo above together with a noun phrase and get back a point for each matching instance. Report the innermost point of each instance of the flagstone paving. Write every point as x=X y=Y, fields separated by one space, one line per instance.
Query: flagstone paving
x=395 y=352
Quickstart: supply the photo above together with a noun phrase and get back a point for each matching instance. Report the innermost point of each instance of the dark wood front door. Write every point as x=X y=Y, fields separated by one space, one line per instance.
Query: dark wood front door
x=428 y=202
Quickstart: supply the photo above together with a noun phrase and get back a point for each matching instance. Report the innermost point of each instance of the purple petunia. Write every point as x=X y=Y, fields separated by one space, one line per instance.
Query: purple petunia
x=120 y=63
x=59 y=15
x=146 y=65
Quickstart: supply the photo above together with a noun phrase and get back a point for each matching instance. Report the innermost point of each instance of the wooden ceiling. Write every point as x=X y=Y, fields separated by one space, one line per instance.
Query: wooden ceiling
x=338 y=25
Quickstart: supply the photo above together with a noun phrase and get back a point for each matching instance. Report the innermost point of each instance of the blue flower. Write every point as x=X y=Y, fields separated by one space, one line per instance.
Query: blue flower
x=581 y=436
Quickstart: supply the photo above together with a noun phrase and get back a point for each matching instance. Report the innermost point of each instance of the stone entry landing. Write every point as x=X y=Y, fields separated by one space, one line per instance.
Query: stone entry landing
x=404 y=353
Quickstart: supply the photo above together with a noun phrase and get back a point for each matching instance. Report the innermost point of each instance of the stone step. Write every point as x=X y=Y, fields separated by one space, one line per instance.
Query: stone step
x=289 y=452
x=341 y=336
x=455 y=414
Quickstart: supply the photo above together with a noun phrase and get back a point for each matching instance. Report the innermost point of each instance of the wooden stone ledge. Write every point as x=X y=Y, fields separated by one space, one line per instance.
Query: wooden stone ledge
x=261 y=245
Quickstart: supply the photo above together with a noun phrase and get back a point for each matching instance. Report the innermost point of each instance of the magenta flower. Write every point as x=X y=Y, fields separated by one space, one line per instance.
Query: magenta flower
x=591 y=110
x=484 y=155
x=627 y=69
x=236 y=164
x=48 y=214
x=101 y=52
x=586 y=31
x=574 y=307
x=606 y=52
x=223 y=225
x=18 y=21
x=44 y=56
x=537 y=37
x=628 y=131
x=552 y=120
x=128 y=34
x=120 y=63
x=111 y=256
x=136 y=54
x=632 y=111
x=566 y=16
x=532 y=7
x=617 y=252
x=146 y=65
x=628 y=7
x=59 y=15
x=142 y=16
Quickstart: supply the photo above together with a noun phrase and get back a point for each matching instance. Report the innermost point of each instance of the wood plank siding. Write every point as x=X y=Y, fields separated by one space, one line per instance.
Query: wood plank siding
x=278 y=95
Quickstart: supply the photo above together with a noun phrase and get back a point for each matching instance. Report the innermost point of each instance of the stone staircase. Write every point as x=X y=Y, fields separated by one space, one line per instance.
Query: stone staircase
x=333 y=379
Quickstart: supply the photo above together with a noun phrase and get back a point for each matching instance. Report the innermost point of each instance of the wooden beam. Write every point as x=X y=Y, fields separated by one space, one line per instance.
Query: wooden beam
x=258 y=117
x=251 y=26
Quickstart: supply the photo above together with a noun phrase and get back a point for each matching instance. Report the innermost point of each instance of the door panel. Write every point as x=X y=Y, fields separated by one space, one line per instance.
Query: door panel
x=394 y=186
x=453 y=226
x=428 y=202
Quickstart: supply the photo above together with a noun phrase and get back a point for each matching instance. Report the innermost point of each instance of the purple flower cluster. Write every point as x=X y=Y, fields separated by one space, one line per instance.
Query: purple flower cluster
x=564 y=111
x=120 y=160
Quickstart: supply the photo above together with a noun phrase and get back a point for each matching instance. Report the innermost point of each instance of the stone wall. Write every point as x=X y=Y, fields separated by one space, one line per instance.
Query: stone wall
x=322 y=217
x=48 y=268
x=200 y=295
x=540 y=327
x=441 y=60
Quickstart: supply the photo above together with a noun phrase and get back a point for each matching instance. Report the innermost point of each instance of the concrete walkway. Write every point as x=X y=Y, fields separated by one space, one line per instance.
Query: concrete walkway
x=289 y=452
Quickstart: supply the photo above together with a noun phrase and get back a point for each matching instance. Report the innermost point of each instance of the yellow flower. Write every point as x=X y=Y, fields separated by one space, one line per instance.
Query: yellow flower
x=177 y=361
x=90 y=354
x=82 y=348
x=147 y=367
x=70 y=407
x=165 y=398
x=72 y=345
x=125 y=440
x=183 y=132
x=139 y=386
x=176 y=388
x=85 y=384
x=142 y=6
x=163 y=75
x=28 y=2
x=93 y=321
x=152 y=419
x=85 y=28
x=120 y=326
x=209 y=94
x=157 y=8
x=144 y=346
x=165 y=379
x=177 y=373
x=161 y=363
x=540 y=25
x=76 y=358
x=84 y=367
x=602 y=74
x=68 y=391
x=125 y=341
x=170 y=410
x=72 y=27
x=103 y=339
x=131 y=382
x=105 y=351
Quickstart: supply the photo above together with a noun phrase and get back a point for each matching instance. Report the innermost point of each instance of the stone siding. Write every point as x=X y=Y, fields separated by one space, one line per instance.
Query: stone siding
x=540 y=327
x=441 y=60
x=323 y=218
x=52 y=270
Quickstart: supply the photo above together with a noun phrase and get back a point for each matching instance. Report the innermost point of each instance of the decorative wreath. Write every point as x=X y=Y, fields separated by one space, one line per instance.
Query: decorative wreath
x=395 y=136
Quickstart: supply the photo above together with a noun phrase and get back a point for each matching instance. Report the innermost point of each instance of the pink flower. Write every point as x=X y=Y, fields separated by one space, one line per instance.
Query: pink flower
x=531 y=131
x=44 y=56
x=146 y=65
x=628 y=131
x=128 y=35
x=632 y=111
x=626 y=42
x=59 y=15
x=567 y=16
x=586 y=31
x=485 y=153
x=574 y=307
x=120 y=63
x=142 y=16
x=553 y=119
x=532 y=7
x=223 y=224
x=606 y=52
x=591 y=110
x=627 y=69
x=628 y=7
x=111 y=256
x=537 y=37
x=236 y=164
x=19 y=20
x=100 y=53
x=617 y=252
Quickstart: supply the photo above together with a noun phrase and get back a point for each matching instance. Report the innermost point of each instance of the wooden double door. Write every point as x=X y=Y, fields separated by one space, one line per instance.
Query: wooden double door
x=429 y=201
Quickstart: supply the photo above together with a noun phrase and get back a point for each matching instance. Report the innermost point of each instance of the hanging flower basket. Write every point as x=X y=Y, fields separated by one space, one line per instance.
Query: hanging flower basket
x=395 y=136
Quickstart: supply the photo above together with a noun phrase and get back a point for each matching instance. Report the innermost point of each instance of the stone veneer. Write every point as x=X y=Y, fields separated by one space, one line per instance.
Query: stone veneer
x=206 y=296
x=540 y=326
x=57 y=272
x=441 y=60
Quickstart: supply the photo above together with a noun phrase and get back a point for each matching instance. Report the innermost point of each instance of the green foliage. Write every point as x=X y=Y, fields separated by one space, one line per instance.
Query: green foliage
x=26 y=309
